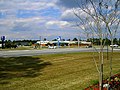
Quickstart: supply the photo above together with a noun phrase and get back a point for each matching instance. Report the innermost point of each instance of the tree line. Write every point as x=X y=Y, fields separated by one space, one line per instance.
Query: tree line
x=107 y=41
x=16 y=43
x=95 y=41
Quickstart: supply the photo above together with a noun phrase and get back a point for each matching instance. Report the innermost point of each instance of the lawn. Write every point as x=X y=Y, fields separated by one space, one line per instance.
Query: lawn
x=18 y=48
x=73 y=71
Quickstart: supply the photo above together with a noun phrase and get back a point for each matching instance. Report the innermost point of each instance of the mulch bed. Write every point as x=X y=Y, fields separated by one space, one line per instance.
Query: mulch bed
x=112 y=84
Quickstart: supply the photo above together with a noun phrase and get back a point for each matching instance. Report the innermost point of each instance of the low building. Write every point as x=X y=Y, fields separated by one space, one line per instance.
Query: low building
x=63 y=43
x=43 y=43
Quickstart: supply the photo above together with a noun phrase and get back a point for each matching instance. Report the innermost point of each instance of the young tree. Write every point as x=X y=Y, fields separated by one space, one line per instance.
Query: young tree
x=75 y=39
x=44 y=39
x=101 y=18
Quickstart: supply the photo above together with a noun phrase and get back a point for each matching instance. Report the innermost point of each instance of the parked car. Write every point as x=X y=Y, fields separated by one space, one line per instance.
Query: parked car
x=52 y=47
x=114 y=46
x=89 y=46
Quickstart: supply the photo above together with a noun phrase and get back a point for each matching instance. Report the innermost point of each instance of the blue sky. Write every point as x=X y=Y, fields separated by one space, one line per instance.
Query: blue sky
x=30 y=19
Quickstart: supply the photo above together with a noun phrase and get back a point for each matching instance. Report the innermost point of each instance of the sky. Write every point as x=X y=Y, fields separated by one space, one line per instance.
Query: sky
x=30 y=19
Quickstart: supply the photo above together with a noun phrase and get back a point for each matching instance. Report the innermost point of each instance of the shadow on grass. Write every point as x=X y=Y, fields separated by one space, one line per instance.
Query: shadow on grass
x=16 y=67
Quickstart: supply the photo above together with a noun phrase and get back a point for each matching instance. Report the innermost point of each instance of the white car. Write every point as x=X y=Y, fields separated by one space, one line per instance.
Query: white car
x=52 y=47
x=114 y=46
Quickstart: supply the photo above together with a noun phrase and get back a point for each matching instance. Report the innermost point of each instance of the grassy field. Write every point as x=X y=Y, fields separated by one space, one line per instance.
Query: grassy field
x=73 y=71
x=18 y=48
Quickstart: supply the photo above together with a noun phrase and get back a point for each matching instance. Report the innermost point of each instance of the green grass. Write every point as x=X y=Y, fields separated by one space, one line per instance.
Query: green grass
x=73 y=71
x=18 y=48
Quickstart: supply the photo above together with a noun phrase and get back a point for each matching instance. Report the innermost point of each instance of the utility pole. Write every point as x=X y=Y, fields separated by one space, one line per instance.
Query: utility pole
x=78 y=41
x=40 y=42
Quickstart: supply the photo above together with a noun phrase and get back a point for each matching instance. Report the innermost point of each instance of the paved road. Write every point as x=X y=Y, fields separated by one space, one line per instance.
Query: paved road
x=17 y=53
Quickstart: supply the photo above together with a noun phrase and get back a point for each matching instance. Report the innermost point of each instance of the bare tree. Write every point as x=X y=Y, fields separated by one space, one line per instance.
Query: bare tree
x=101 y=18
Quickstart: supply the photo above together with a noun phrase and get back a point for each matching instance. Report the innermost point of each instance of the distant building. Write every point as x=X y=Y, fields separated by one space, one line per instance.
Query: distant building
x=63 y=43
x=43 y=43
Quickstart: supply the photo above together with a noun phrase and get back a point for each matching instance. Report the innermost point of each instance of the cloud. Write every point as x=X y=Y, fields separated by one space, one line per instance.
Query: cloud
x=57 y=24
x=24 y=4
x=28 y=7
x=29 y=19
x=67 y=3
x=68 y=15
x=68 y=6
x=26 y=18
x=74 y=3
